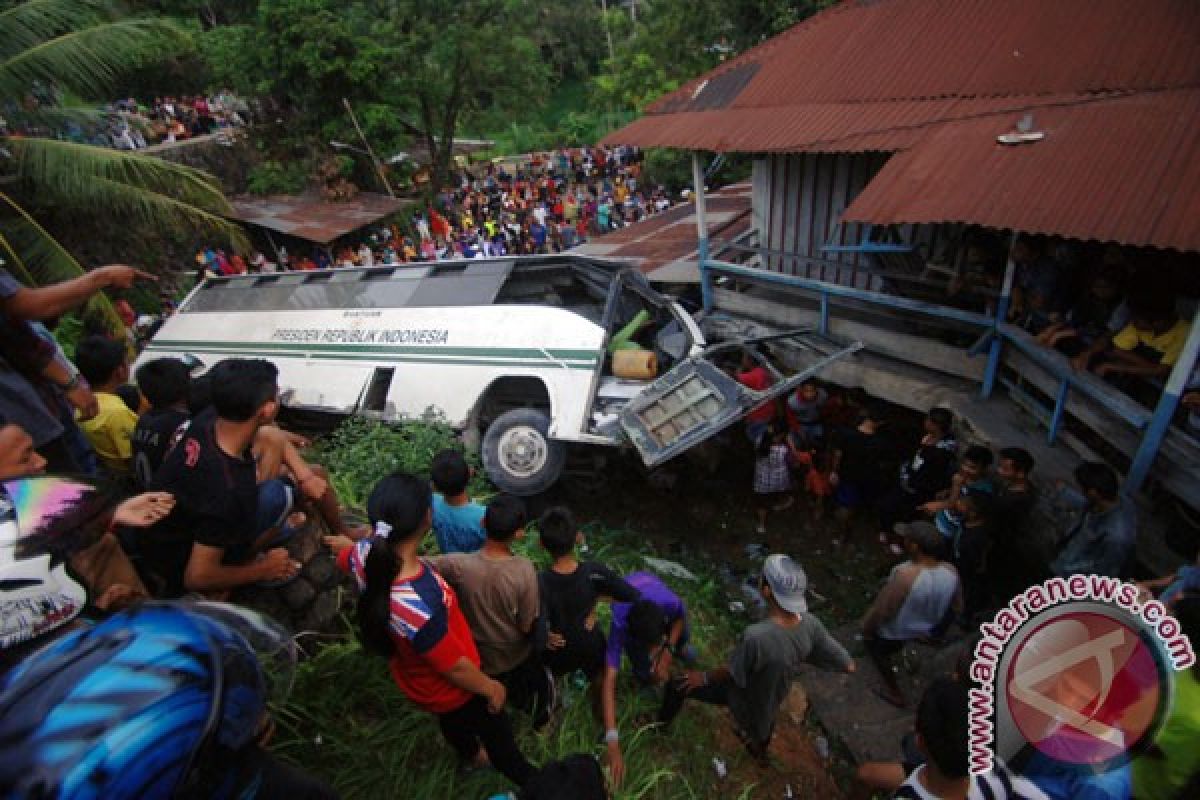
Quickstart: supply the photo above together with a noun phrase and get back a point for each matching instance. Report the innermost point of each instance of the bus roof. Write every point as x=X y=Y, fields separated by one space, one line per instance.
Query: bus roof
x=471 y=282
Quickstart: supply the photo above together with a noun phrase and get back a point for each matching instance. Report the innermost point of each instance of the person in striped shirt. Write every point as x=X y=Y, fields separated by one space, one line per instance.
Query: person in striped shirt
x=410 y=615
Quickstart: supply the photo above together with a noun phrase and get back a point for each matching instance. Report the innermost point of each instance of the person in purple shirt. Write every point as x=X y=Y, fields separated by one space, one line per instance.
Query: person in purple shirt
x=650 y=631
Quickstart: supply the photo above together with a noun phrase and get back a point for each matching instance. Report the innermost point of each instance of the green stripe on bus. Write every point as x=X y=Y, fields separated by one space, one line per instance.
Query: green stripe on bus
x=541 y=363
x=498 y=352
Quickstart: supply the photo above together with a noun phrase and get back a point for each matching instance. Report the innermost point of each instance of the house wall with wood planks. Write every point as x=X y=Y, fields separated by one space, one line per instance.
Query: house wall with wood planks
x=798 y=203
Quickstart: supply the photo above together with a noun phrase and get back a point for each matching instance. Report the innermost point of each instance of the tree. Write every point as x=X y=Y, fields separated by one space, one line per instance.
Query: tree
x=673 y=41
x=451 y=59
x=81 y=47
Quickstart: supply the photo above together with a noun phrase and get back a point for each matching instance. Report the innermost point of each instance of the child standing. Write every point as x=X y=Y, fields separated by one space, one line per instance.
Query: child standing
x=102 y=363
x=570 y=591
x=805 y=411
x=457 y=520
x=408 y=613
x=499 y=594
x=772 y=475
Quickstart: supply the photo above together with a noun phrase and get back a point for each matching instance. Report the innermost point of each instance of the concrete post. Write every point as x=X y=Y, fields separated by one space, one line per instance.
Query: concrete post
x=993 y=365
x=701 y=230
x=1156 y=431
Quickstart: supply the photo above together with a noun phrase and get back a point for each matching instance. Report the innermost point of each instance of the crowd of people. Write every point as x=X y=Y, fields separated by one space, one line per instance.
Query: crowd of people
x=959 y=518
x=129 y=124
x=545 y=203
x=1103 y=309
x=214 y=490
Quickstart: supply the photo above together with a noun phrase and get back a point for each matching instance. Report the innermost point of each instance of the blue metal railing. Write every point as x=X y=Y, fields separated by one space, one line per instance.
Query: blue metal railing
x=995 y=335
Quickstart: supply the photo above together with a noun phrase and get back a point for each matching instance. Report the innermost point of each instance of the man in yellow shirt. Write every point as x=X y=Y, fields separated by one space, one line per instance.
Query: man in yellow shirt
x=1147 y=347
x=103 y=364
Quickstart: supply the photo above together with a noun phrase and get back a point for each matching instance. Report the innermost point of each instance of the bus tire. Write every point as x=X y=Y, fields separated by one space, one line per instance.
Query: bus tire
x=519 y=455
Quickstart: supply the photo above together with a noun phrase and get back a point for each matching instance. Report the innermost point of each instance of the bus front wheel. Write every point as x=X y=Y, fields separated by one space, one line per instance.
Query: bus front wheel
x=519 y=455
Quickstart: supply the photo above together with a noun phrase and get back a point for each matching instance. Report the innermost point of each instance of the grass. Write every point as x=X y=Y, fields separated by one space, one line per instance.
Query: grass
x=347 y=722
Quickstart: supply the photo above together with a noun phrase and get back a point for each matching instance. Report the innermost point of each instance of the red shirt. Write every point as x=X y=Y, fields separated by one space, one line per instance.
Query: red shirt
x=429 y=631
x=758 y=379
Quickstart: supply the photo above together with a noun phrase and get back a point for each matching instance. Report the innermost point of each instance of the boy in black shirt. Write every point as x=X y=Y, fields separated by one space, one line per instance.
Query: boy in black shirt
x=857 y=464
x=929 y=471
x=164 y=384
x=570 y=591
x=223 y=518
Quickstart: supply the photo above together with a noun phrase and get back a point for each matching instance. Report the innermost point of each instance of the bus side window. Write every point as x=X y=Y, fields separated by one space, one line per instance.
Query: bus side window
x=375 y=398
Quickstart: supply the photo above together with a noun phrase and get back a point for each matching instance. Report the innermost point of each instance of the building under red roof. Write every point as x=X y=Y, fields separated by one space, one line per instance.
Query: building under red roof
x=1114 y=85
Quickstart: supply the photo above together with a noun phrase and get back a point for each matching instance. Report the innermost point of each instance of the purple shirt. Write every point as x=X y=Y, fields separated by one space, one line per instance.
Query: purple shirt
x=652 y=589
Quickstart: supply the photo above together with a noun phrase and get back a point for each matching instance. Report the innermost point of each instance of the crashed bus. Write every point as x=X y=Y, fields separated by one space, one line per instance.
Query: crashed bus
x=529 y=354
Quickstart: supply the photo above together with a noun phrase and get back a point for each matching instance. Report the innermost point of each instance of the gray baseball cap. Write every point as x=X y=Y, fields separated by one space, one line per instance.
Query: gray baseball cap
x=787 y=581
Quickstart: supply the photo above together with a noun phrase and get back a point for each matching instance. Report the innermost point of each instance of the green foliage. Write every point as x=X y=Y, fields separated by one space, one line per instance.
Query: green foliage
x=68 y=332
x=361 y=452
x=83 y=47
x=272 y=177
x=676 y=40
x=666 y=166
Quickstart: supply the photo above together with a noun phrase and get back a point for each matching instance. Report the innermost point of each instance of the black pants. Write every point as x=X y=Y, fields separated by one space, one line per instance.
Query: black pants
x=472 y=725
x=529 y=689
x=715 y=693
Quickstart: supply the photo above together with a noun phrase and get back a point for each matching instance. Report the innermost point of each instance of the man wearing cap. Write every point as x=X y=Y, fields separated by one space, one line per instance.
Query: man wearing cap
x=915 y=602
x=766 y=659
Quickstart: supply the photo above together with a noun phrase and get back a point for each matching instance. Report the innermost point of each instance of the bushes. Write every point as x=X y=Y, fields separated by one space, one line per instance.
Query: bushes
x=361 y=452
x=272 y=177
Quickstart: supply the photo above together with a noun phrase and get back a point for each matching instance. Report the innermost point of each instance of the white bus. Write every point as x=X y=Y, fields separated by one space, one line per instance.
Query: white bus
x=513 y=350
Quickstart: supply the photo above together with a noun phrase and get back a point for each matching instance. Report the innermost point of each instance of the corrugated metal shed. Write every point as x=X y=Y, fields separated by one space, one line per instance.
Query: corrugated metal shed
x=311 y=218
x=937 y=80
x=868 y=51
x=887 y=65
x=1124 y=170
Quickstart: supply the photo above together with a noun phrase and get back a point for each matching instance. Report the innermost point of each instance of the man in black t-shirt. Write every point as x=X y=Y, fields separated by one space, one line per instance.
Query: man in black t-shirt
x=857 y=465
x=214 y=539
x=164 y=384
x=928 y=472
x=1016 y=565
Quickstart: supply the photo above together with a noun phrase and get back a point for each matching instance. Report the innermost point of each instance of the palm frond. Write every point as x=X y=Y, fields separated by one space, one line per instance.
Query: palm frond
x=13 y=262
x=42 y=259
x=33 y=21
x=158 y=210
x=64 y=173
x=56 y=119
x=88 y=60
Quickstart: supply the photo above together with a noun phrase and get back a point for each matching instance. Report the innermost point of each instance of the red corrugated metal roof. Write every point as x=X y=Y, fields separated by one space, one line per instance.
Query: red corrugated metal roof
x=669 y=238
x=311 y=218
x=824 y=127
x=864 y=63
x=1114 y=81
x=1124 y=170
